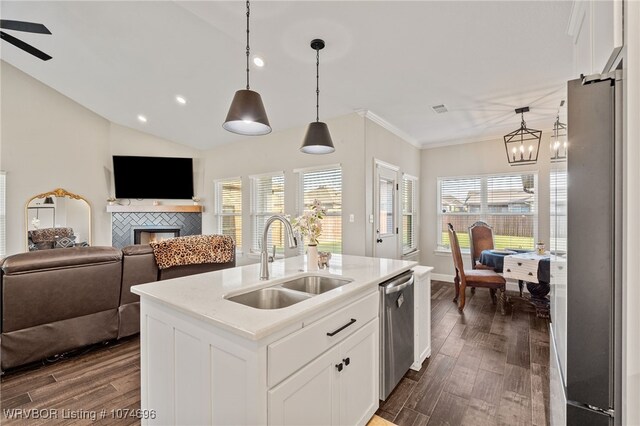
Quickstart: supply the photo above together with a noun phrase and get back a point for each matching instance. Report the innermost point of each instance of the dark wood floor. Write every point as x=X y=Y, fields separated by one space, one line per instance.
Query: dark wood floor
x=106 y=378
x=484 y=369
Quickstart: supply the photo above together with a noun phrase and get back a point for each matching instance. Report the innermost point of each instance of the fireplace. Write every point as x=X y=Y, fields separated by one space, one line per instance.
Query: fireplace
x=154 y=234
x=124 y=224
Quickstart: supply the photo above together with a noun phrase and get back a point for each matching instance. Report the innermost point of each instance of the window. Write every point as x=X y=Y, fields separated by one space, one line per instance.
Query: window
x=409 y=214
x=267 y=199
x=508 y=203
x=558 y=216
x=326 y=186
x=3 y=215
x=229 y=209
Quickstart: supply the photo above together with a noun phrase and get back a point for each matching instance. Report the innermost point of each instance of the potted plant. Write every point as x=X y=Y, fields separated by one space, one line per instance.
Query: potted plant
x=309 y=226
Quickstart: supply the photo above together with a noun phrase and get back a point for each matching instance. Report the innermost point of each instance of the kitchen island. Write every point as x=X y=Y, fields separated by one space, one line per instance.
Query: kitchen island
x=206 y=359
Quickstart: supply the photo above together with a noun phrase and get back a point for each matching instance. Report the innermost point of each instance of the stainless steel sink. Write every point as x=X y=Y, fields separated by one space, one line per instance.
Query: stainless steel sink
x=314 y=284
x=270 y=298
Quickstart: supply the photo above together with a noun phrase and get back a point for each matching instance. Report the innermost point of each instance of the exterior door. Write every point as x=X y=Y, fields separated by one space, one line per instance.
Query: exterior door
x=386 y=190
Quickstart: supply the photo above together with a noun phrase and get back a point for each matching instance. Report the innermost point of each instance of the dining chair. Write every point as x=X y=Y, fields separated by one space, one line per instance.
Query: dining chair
x=482 y=278
x=480 y=238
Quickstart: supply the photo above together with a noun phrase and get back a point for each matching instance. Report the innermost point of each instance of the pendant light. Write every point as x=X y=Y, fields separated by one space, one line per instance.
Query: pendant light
x=318 y=139
x=247 y=115
x=522 y=145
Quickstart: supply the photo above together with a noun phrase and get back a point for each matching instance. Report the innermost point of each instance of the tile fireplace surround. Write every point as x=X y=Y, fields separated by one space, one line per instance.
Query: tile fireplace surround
x=124 y=224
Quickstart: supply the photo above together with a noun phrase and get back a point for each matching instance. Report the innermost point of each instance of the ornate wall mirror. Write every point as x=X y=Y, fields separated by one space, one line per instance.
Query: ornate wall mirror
x=57 y=219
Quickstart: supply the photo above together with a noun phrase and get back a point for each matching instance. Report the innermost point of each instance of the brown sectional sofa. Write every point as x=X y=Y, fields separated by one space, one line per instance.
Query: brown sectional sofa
x=54 y=301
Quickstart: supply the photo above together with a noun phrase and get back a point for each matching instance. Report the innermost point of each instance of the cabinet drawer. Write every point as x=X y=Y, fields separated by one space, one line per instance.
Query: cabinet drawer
x=296 y=350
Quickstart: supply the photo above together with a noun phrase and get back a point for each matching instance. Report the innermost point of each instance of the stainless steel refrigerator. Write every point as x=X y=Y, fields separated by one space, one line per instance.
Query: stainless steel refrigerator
x=586 y=222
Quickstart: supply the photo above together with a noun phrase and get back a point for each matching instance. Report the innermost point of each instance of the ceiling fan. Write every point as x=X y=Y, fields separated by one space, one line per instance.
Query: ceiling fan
x=28 y=27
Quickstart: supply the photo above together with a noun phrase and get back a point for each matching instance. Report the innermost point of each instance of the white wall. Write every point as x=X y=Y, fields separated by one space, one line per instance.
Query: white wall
x=48 y=141
x=472 y=159
x=383 y=145
x=279 y=151
x=357 y=140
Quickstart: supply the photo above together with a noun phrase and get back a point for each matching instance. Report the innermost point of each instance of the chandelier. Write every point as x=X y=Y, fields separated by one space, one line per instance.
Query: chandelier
x=522 y=145
x=559 y=146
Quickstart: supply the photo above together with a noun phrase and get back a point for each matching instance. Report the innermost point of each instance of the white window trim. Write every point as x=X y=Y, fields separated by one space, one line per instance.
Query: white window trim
x=415 y=214
x=252 y=208
x=300 y=195
x=440 y=249
x=218 y=214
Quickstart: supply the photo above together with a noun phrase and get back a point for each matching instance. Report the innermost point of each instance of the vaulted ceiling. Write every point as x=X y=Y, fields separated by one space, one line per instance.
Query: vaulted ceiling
x=396 y=59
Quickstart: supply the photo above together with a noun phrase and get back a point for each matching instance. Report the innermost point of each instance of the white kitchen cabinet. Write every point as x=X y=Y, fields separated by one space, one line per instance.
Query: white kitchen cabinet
x=360 y=378
x=310 y=396
x=206 y=359
x=196 y=374
x=337 y=388
x=596 y=27
x=422 y=315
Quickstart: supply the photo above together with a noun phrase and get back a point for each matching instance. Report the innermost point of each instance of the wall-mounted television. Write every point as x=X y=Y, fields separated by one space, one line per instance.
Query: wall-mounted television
x=153 y=177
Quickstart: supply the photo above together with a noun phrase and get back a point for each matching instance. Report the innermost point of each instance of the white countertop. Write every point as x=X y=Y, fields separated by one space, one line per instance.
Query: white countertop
x=202 y=296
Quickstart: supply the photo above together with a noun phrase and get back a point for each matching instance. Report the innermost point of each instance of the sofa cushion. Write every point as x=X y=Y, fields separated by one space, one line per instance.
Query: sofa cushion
x=49 y=234
x=65 y=242
x=55 y=259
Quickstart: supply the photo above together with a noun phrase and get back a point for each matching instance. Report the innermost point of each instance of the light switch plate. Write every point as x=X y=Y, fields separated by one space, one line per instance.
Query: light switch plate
x=352 y=218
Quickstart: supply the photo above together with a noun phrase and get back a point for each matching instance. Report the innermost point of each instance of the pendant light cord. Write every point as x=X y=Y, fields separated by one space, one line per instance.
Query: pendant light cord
x=248 y=44
x=317 y=85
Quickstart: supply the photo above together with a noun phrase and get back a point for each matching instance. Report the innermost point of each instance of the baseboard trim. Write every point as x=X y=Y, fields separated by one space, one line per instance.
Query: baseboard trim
x=511 y=285
x=442 y=277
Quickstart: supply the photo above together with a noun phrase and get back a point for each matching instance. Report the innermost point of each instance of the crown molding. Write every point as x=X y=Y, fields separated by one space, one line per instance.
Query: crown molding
x=388 y=126
x=488 y=138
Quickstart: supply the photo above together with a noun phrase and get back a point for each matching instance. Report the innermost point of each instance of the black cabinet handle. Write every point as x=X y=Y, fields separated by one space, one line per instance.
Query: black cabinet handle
x=519 y=263
x=339 y=367
x=333 y=333
x=531 y=273
x=379 y=240
x=346 y=361
x=508 y=270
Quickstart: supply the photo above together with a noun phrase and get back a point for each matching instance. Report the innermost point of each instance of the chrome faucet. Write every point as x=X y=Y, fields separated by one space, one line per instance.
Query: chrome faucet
x=264 y=255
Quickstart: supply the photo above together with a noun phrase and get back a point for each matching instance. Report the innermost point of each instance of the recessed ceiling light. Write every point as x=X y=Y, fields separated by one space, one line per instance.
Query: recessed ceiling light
x=142 y=118
x=181 y=100
x=258 y=61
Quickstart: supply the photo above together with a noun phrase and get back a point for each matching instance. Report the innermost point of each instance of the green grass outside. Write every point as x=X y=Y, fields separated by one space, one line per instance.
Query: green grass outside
x=500 y=241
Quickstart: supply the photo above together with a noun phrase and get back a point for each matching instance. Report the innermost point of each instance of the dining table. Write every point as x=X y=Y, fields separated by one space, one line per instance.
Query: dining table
x=528 y=268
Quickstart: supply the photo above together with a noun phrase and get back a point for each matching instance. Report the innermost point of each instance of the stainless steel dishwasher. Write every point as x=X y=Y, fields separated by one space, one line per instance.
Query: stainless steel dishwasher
x=396 y=331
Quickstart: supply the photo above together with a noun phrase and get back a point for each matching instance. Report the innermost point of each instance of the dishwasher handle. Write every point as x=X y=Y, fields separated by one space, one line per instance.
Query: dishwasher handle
x=396 y=288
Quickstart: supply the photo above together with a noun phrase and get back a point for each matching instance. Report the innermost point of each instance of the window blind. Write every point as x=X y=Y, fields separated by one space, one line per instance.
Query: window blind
x=506 y=202
x=558 y=219
x=3 y=215
x=409 y=214
x=268 y=199
x=326 y=186
x=229 y=209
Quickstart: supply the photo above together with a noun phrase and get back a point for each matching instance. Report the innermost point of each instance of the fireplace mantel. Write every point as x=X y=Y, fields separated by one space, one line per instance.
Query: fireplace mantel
x=136 y=208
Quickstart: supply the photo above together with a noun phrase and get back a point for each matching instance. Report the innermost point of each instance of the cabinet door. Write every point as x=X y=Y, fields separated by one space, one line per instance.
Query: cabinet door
x=360 y=379
x=310 y=396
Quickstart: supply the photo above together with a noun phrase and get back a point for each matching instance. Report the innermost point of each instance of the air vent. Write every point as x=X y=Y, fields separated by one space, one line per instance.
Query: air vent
x=439 y=109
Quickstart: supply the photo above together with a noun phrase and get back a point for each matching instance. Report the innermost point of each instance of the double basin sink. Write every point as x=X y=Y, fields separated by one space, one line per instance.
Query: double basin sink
x=289 y=292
